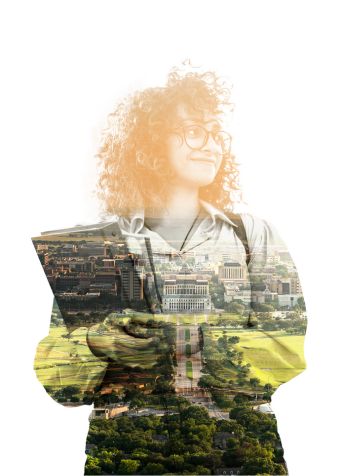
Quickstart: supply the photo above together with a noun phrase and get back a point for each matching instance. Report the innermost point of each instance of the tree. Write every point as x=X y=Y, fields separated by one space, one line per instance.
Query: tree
x=301 y=303
x=175 y=462
x=68 y=392
x=241 y=399
x=208 y=381
x=163 y=387
x=202 y=470
x=268 y=391
x=235 y=307
x=260 y=307
x=128 y=466
x=238 y=412
x=281 y=270
x=153 y=468
x=254 y=383
x=92 y=465
x=106 y=458
x=199 y=414
x=234 y=340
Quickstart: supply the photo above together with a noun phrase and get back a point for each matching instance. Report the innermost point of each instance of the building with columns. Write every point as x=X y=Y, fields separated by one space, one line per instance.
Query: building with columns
x=231 y=272
x=186 y=292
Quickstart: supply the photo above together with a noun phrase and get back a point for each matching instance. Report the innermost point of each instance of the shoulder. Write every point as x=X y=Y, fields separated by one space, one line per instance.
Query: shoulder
x=259 y=233
x=102 y=230
x=259 y=230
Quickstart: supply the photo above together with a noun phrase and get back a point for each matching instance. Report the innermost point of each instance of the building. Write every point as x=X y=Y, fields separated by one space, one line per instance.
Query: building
x=231 y=272
x=233 y=292
x=288 y=300
x=131 y=280
x=186 y=292
x=108 y=411
x=94 y=249
x=66 y=283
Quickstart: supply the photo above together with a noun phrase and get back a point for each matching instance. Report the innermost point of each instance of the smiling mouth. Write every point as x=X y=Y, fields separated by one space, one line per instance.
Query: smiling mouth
x=205 y=159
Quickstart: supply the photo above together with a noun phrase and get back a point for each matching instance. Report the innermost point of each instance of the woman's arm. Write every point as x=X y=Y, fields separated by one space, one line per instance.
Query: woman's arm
x=277 y=308
x=65 y=365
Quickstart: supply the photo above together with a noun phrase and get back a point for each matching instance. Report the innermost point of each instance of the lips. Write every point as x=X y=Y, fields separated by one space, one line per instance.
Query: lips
x=211 y=160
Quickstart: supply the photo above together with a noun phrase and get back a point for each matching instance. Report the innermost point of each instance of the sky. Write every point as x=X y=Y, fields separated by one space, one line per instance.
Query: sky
x=295 y=74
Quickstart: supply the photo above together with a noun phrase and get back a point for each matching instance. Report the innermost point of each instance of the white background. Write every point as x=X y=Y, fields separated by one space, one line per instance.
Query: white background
x=295 y=70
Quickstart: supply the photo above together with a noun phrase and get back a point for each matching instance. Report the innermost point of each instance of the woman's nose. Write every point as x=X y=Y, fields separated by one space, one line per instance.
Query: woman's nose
x=211 y=145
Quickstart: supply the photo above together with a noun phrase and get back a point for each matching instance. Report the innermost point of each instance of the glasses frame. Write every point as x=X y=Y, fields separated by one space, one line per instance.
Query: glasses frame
x=206 y=137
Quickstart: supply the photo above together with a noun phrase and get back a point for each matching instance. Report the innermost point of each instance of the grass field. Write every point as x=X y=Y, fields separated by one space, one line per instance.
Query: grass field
x=73 y=360
x=275 y=357
x=189 y=369
x=190 y=319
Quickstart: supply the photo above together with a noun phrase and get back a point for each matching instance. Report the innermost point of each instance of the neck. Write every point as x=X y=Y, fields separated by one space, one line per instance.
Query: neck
x=182 y=204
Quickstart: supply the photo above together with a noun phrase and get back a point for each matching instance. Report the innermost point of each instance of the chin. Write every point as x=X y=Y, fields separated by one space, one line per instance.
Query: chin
x=205 y=179
x=199 y=180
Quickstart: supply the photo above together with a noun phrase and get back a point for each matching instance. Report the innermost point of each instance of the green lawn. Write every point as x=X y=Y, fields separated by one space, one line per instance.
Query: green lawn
x=56 y=353
x=275 y=357
x=189 y=369
x=191 y=319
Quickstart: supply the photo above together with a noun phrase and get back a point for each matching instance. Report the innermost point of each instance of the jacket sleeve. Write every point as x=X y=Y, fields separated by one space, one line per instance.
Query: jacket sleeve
x=65 y=365
x=277 y=307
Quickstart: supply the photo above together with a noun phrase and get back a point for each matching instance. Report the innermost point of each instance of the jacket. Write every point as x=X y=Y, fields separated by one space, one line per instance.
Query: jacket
x=123 y=300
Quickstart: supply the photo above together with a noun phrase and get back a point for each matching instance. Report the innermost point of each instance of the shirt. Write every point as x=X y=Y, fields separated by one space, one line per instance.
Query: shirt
x=203 y=291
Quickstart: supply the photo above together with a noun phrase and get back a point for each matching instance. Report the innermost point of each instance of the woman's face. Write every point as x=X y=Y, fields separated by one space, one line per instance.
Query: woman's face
x=194 y=167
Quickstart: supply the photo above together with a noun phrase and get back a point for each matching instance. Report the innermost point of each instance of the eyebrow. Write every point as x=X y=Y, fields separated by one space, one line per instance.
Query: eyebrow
x=199 y=121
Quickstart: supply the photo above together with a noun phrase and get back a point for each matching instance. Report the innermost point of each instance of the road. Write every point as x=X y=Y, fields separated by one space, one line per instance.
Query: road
x=183 y=384
x=189 y=387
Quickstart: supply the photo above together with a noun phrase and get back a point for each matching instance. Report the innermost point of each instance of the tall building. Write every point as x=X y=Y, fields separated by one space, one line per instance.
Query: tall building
x=131 y=280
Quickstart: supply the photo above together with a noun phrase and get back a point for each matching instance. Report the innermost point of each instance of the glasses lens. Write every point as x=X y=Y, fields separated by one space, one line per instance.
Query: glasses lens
x=195 y=136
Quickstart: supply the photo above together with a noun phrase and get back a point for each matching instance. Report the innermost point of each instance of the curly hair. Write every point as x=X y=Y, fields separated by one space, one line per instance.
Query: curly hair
x=135 y=171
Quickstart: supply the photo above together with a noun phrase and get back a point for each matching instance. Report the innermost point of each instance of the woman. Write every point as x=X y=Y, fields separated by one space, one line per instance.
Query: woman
x=173 y=313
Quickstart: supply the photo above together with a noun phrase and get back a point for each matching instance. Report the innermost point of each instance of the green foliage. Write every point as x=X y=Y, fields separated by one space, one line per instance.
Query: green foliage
x=175 y=462
x=252 y=457
x=92 y=465
x=217 y=291
x=208 y=381
x=254 y=382
x=202 y=470
x=260 y=307
x=68 y=392
x=301 y=303
x=234 y=340
x=128 y=466
x=183 y=443
x=235 y=307
x=189 y=369
x=281 y=270
x=153 y=468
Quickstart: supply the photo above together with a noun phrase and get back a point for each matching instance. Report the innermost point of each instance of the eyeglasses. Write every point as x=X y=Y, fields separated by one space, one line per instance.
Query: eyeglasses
x=196 y=137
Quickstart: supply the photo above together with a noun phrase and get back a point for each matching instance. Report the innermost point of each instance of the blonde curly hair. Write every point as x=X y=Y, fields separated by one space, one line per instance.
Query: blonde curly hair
x=134 y=167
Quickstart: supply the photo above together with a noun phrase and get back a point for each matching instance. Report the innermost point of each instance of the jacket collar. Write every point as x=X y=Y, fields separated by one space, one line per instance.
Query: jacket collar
x=135 y=222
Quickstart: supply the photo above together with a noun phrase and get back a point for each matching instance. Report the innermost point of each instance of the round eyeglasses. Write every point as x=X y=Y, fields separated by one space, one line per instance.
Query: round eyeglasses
x=196 y=137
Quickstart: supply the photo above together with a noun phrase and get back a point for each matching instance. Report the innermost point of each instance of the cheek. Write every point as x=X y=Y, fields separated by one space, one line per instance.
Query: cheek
x=218 y=164
x=176 y=153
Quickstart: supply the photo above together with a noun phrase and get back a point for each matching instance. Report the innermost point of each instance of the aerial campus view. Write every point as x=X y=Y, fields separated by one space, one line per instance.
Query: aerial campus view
x=180 y=356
